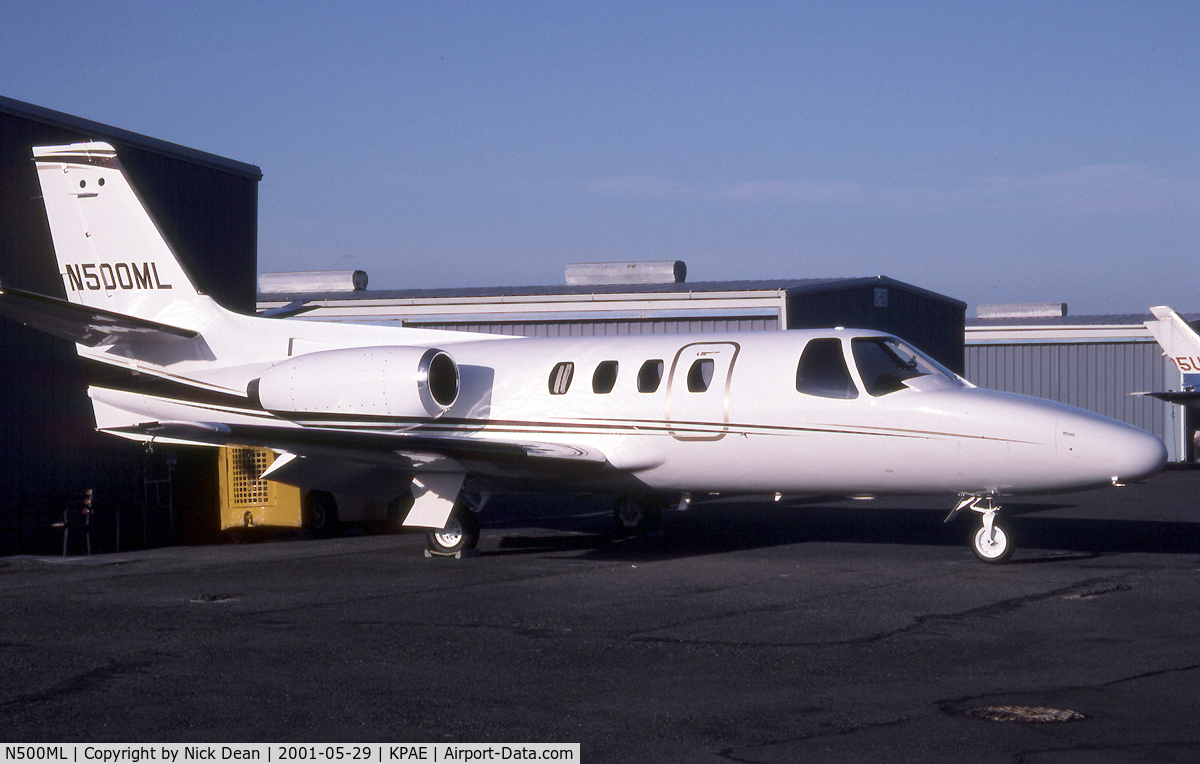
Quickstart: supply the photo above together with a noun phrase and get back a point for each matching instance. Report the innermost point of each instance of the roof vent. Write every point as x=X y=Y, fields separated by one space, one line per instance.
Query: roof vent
x=651 y=272
x=302 y=282
x=1022 y=310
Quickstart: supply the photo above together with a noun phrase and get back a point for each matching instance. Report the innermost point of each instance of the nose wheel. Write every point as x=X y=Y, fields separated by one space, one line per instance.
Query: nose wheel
x=992 y=543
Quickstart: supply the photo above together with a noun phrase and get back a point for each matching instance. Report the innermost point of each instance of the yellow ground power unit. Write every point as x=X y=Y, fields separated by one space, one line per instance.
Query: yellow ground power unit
x=246 y=501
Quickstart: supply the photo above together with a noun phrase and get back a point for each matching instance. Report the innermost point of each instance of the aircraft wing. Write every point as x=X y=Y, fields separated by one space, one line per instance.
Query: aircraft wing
x=373 y=464
x=82 y=324
x=404 y=451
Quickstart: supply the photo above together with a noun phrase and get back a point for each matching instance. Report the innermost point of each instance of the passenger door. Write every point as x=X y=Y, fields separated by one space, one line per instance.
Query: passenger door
x=698 y=390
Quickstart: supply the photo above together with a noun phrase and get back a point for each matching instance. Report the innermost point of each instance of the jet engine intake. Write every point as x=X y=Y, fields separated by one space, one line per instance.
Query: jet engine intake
x=375 y=381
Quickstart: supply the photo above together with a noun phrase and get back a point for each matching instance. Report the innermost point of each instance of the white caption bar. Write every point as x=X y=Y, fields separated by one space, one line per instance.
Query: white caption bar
x=286 y=753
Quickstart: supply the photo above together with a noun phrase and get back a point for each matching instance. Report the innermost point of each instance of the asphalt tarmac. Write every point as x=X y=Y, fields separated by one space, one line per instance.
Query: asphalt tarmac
x=750 y=632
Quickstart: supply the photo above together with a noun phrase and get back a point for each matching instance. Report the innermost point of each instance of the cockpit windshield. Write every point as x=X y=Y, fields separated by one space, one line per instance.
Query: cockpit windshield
x=887 y=365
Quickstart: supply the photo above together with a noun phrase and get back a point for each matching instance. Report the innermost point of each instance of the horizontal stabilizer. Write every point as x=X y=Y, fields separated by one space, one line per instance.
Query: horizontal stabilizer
x=83 y=324
x=293 y=308
x=1182 y=397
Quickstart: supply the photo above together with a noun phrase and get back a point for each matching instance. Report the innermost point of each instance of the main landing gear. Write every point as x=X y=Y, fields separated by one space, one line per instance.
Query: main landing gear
x=992 y=543
x=639 y=515
x=461 y=532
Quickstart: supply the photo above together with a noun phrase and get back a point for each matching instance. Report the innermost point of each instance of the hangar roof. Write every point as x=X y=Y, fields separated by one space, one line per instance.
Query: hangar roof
x=136 y=140
x=1128 y=327
x=789 y=286
x=1120 y=319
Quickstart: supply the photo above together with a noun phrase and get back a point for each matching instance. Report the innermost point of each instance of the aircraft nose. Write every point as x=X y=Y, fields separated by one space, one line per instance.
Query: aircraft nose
x=1121 y=452
x=1145 y=455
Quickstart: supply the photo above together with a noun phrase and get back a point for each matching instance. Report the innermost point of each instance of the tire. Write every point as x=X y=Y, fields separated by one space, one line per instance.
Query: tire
x=461 y=532
x=320 y=515
x=637 y=514
x=992 y=550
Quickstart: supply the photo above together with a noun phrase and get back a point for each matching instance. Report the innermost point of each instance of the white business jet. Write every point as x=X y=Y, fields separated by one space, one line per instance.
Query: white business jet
x=381 y=412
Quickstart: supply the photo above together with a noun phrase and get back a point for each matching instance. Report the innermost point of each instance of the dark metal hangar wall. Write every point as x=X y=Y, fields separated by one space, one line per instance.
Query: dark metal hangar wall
x=207 y=207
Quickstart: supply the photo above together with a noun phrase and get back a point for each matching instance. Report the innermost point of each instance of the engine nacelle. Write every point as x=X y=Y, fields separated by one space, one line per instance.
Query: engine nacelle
x=377 y=381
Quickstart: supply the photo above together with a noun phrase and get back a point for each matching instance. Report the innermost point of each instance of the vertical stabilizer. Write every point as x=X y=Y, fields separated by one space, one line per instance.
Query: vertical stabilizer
x=1177 y=338
x=111 y=254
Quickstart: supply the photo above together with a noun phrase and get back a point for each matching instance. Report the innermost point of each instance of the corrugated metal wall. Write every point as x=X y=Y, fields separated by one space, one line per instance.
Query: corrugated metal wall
x=935 y=326
x=210 y=217
x=608 y=328
x=1097 y=376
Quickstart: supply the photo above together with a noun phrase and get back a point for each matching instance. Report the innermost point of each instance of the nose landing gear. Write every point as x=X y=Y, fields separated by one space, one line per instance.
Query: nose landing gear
x=992 y=543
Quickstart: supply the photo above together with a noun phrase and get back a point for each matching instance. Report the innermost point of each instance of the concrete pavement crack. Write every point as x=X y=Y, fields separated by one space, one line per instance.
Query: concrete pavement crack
x=1129 y=751
x=952 y=706
x=74 y=684
x=1002 y=606
x=731 y=754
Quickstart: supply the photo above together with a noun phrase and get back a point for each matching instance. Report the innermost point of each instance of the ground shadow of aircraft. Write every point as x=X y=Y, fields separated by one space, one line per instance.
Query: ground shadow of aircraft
x=584 y=526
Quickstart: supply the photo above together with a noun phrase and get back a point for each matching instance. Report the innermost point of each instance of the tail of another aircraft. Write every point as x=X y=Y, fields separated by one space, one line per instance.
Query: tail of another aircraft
x=1177 y=338
x=111 y=254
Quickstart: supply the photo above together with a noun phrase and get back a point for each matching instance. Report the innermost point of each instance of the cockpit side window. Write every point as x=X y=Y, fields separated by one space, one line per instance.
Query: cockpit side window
x=886 y=364
x=882 y=371
x=822 y=370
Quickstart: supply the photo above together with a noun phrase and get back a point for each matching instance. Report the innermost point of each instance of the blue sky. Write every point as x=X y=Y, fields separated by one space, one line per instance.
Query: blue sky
x=993 y=152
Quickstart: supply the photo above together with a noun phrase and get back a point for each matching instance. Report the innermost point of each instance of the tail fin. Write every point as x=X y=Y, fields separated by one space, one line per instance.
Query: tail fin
x=111 y=254
x=1177 y=338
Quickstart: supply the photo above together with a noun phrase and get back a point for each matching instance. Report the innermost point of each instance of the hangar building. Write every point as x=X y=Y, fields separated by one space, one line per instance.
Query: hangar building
x=932 y=321
x=207 y=206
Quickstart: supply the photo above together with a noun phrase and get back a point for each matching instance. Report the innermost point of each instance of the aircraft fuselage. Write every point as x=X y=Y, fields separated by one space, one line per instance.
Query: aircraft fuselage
x=746 y=428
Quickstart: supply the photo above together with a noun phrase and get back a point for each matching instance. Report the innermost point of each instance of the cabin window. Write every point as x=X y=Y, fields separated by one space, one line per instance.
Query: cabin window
x=650 y=376
x=700 y=375
x=605 y=377
x=560 y=377
x=822 y=370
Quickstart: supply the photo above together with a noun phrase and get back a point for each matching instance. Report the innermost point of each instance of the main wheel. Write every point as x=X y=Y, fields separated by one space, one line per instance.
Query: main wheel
x=992 y=547
x=637 y=514
x=320 y=514
x=461 y=532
